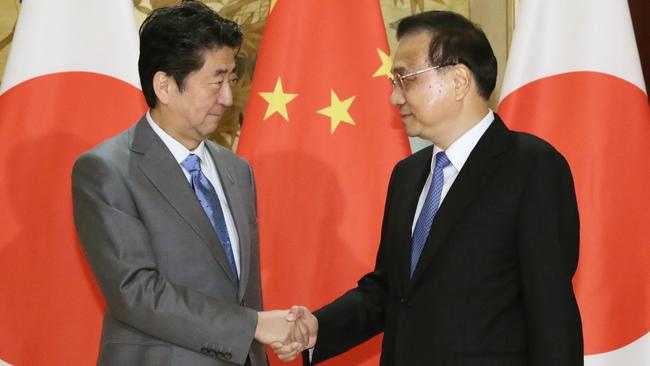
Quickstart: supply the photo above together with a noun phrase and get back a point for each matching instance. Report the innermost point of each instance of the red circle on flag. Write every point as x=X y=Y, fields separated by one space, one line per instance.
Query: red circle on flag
x=50 y=307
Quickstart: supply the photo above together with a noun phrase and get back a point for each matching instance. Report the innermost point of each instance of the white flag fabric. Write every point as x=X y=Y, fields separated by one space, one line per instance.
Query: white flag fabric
x=574 y=78
x=71 y=81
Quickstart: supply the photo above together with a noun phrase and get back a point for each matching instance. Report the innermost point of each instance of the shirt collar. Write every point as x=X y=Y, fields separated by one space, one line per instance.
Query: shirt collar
x=177 y=149
x=460 y=149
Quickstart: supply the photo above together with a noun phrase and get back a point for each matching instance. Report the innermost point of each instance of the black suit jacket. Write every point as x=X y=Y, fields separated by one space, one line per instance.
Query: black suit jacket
x=493 y=284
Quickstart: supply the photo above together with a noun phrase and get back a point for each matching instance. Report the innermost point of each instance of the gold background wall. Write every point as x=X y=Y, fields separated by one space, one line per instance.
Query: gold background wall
x=495 y=16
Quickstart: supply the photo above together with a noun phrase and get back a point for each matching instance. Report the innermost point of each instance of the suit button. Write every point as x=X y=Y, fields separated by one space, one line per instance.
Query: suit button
x=204 y=350
x=213 y=353
x=227 y=356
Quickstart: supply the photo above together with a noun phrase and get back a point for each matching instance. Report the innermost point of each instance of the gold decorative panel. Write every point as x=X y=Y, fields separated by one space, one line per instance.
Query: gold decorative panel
x=394 y=10
x=8 y=15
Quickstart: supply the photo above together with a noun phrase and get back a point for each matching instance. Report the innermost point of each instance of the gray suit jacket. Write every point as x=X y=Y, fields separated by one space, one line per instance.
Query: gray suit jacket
x=171 y=298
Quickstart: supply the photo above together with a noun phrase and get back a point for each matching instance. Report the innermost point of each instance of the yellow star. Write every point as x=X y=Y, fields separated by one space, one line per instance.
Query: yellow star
x=338 y=111
x=278 y=101
x=272 y=5
x=386 y=65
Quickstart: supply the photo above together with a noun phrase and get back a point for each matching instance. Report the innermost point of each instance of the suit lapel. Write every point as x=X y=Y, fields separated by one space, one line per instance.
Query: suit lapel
x=478 y=168
x=238 y=213
x=414 y=181
x=162 y=170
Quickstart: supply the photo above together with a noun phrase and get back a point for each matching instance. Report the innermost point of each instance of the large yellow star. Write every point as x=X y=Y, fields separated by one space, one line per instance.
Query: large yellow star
x=386 y=65
x=278 y=101
x=338 y=111
x=272 y=5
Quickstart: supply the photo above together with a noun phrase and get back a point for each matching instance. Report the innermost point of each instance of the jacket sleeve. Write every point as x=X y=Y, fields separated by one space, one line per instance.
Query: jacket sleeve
x=117 y=246
x=548 y=240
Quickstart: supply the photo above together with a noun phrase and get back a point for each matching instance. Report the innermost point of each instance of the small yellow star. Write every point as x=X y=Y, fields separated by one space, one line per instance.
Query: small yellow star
x=278 y=101
x=272 y=5
x=338 y=111
x=386 y=65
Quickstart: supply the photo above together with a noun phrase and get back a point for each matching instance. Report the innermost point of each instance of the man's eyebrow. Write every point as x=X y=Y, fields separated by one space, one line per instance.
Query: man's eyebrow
x=398 y=70
x=219 y=72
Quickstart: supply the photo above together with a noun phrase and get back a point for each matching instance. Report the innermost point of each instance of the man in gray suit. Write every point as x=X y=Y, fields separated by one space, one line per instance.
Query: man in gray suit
x=167 y=219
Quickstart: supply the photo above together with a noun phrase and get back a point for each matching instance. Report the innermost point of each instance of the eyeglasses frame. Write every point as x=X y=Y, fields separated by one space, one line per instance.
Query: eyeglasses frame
x=398 y=80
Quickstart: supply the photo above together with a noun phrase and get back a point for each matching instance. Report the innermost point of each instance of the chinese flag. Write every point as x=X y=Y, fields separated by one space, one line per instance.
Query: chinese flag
x=71 y=81
x=574 y=78
x=322 y=138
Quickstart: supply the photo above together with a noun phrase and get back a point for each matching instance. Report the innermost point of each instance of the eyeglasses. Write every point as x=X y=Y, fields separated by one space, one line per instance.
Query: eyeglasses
x=399 y=80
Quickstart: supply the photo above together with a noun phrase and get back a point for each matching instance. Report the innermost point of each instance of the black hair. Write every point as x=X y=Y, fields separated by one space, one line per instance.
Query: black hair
x=173 y=40
x=456 y=40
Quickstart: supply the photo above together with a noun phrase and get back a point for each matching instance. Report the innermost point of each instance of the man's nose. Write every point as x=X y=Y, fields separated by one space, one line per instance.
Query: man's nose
x=225 y=96
x=397 y=96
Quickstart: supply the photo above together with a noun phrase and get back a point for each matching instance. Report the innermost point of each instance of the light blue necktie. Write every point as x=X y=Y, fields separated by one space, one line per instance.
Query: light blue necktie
x=429 y=210
x=210 y=202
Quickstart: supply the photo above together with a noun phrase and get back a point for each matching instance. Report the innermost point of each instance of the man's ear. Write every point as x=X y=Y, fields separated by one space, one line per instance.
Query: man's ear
x=164 y=86
x=462 y=81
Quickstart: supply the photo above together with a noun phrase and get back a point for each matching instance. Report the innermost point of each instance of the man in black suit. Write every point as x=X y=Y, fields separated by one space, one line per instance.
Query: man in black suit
x=480 y=233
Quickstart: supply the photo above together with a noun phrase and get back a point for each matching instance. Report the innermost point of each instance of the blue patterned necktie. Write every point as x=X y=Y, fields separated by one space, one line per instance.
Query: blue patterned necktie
x=429 y=210
x=210 y=202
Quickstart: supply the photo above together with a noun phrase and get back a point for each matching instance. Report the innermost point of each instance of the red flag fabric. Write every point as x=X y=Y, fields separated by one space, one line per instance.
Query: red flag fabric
x=322 y=139
x=71 y=81
x=574 y=78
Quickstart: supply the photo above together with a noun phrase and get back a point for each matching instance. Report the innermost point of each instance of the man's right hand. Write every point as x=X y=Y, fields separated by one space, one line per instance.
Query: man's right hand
x=306 y=326
x=277 y=326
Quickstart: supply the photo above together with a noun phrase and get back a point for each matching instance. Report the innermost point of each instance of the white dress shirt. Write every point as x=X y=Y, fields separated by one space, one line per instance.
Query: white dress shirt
x=457 y=153
x=208 y=168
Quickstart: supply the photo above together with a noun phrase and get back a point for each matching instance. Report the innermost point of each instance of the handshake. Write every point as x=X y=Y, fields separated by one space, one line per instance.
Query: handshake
x=288 y=332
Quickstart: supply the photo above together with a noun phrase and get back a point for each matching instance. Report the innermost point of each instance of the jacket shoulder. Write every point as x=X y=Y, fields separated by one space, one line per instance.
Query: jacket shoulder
x=530 y=148
x=417 y=159
x=227 y=154
x=529 y=142
x=114 y=151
